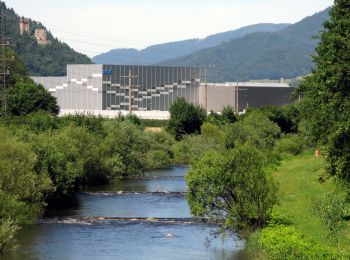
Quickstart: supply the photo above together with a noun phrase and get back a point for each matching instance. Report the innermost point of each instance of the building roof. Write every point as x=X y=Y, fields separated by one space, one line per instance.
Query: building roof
x=250 y=84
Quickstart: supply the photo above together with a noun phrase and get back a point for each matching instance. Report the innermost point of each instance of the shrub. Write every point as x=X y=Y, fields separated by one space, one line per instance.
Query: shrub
x=285 y=242
x=191 y=148
x=185 y=118
x=330 y=207
x=232 y=188
x=7 y=234
x=22 y=188
x=228 y=115
x=289 y=145
x=27 y=97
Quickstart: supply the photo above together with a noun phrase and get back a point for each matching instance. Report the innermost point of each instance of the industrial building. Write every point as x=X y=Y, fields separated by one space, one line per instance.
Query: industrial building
x=106 y=89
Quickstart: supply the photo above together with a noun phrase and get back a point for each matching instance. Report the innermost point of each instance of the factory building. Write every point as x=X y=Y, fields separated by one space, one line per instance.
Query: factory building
x=106 y=89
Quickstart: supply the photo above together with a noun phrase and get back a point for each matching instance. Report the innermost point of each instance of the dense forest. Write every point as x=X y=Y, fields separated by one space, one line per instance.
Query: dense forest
x=41 y=60
x=160 y=52
x=262 y=55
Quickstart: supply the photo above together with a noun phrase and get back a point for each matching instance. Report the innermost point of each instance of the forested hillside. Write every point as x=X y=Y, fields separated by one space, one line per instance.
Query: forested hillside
x=41 y=60
x=165 y=51
x=283 y=54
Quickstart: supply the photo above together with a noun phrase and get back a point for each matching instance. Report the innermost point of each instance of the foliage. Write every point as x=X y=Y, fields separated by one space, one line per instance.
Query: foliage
x=185 y=118
x=228 y=115
x=255 y=128
x=154 y=123
x=223 y=187
x=22 y=188
x=330 y=207
x=7 y=234
x=285 y=242
x=27 y=97
x=289 y=145
x=326 y=105
x=287 y=117
x=191 y=148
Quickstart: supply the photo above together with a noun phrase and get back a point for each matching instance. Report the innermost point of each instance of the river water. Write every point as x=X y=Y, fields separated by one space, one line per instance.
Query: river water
x=139 y=218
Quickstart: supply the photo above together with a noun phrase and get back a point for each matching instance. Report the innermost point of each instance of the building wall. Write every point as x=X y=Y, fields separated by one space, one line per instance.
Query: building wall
x=80 y=89
x=249 y=95
x=41 y=36
x=263 y=96
x=218 y=97
x=154 y=87
x=24 y=26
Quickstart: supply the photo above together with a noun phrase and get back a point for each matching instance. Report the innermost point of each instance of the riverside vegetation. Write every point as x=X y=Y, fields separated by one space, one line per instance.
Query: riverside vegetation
x=254 y=173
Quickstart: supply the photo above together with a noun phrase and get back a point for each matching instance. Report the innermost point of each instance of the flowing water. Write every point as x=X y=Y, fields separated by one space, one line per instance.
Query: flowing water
x=139 y=218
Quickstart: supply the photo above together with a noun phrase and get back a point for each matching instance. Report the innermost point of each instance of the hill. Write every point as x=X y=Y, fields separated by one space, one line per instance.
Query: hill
x=41 y=60
x=263 y=55
x=161 y=52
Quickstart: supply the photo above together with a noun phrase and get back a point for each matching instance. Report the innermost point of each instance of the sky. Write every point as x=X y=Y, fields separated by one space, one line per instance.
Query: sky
x=96 y=26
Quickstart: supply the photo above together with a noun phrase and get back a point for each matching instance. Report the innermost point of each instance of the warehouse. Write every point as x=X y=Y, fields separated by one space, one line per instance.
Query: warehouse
x=104 y=89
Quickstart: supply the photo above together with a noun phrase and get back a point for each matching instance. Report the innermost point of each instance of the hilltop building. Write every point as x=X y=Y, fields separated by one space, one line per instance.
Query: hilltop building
x=41 y=36
x=104 y=89
x=24 y=26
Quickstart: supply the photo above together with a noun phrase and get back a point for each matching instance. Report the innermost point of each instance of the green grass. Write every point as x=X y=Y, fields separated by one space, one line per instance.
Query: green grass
x=154 y=123
x=297 y=178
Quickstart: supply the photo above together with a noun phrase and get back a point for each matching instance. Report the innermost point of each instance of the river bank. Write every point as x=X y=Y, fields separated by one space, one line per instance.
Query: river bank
x=300 y=183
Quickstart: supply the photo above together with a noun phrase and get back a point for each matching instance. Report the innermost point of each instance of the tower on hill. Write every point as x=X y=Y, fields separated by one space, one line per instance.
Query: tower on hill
x=24 y=26
x=41 y=36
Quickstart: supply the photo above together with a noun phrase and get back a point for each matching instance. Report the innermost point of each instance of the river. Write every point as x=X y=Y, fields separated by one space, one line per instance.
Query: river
x=139 y=218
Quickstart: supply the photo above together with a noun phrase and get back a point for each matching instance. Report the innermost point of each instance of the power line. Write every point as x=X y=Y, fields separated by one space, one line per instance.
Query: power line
x=4 y=42
x=96 y=36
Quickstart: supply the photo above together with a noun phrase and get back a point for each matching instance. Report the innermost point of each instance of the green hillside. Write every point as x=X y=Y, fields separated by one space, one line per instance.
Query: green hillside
x=47 y=60
x=283 y=54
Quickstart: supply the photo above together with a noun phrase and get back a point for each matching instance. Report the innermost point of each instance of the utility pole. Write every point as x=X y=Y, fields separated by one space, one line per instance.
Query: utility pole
x=4 y=42
x=130 y=77
x=206 y=67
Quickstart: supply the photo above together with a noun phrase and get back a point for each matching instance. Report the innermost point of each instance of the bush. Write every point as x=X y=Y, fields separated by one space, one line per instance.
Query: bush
x=191 y=148
x=289 y=145
x=232 y=188
x=330 y=207
x=27 y=97
x=22 y=188
x=7 y=234
x=285 y=242
x=128 y=143
x=287 y=117
x=185 y=118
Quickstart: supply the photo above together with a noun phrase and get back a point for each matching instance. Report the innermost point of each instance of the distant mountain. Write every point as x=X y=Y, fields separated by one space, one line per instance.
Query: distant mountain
x=41 y=60
x=161 y=52
x=274 y=55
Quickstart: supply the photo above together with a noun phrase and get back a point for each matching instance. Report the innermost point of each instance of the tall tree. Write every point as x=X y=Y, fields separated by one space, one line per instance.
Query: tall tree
x=185 y=118
x=327 y=102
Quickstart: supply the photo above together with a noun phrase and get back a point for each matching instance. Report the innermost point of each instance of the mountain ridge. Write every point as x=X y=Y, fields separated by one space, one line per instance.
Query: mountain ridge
x=160 y=52
x=272 y=55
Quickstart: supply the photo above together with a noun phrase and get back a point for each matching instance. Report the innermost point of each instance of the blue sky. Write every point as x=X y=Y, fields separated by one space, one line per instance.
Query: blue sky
x=96 y=26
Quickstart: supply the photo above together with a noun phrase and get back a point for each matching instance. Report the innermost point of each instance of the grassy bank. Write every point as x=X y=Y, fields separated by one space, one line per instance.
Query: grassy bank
x=299 y=186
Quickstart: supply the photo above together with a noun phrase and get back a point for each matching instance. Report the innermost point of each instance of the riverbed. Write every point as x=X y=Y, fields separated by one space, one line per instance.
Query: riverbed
x=139 y=218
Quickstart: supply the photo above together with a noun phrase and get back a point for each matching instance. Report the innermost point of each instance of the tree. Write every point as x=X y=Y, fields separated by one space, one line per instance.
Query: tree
x=232 y=188
x=27 y=97
x=327 y=102
x=228 y=115
x=185 y=118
